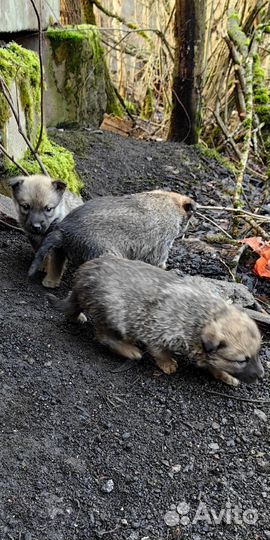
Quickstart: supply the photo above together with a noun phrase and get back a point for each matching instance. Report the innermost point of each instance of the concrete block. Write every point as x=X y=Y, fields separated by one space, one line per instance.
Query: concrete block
x=19 y=15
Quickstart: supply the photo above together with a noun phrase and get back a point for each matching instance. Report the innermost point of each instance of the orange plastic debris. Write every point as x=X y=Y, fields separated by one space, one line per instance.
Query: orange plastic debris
x=260 y=246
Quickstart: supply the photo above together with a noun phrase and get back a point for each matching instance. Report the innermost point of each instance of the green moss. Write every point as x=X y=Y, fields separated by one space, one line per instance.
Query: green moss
x=131 y=107
x=58 y=161
x=148 y=105
x=20 y=65
x=78 y=49
x=211 y=153
x=261 y=92
x=69 y=44
x=236 y=34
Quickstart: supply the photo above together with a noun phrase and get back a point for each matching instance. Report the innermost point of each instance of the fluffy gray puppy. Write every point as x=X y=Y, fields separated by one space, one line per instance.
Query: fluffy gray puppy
x=131 y=302
x=138 y=226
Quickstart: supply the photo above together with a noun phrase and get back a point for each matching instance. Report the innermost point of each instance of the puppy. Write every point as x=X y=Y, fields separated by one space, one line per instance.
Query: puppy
x=131 y=302
x=139 y=226
x=41 y=202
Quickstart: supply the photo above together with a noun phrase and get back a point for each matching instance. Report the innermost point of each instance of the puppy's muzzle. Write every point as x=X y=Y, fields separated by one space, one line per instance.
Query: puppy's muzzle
x=36 y=228
x=252 y=372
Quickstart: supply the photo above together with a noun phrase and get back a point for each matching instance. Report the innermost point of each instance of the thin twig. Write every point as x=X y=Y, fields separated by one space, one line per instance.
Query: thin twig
x=41 y=76
x=214 y=223
x=257 y=228
x=235 y=210
x=24 y=171
x=6 y=94
x=246 y=400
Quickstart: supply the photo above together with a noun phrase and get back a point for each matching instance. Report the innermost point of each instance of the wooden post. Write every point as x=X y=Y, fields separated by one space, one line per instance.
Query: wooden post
x=189 y=67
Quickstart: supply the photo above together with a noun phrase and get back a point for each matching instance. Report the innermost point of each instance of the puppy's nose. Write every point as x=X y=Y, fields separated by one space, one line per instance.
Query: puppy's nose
x=36 y=227
x=260 y=371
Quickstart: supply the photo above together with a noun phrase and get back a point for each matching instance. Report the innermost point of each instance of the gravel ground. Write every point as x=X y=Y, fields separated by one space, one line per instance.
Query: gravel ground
x=96 y=447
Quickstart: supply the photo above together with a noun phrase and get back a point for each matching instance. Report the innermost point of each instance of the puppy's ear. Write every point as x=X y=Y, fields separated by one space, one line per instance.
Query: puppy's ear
x=189 y=206
x=15 y=183
x=211 y=337
x=59 y=186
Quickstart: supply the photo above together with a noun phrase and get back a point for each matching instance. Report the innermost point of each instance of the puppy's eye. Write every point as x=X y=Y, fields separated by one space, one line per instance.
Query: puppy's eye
x=48 y=208
x=222 y=345
x=25 y=207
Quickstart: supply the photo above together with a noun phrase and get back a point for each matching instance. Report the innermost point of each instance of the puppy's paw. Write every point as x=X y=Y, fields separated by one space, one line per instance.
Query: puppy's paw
x=130 y=351
x=49 y=283
x=231 y=381
x=169 y=366
x=227 y=378
x=82 y=318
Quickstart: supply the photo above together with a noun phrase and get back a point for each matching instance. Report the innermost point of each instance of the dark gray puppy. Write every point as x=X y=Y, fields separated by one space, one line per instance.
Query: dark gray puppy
x=131 y=302
x=138 y=226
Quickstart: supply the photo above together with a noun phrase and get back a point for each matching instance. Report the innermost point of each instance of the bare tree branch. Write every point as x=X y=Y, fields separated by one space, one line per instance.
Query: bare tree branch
x=41 y=76
x=6 y=93
x=24 y=171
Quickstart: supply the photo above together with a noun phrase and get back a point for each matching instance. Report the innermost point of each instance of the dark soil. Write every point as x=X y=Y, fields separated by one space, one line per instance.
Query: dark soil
x=74 y=416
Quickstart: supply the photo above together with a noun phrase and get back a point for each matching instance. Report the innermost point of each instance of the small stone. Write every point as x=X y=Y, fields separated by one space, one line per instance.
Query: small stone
x=108 y=486
x=268 y=364
x=30 y=360
x=133 y=536
x=230 y=443
x=267 y=534
x=183 y=508
x=126 y=435
x=48 y=364
x=260 y=414
x=176 y=468
x=27 y=536
x=214 y=447
x=171 y=518
x=124 y=522
x=149 y=158
x=216 y=426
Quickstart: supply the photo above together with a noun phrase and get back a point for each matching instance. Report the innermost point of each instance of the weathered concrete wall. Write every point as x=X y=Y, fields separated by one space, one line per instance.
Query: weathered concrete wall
x=19 y=15
x=75 y=76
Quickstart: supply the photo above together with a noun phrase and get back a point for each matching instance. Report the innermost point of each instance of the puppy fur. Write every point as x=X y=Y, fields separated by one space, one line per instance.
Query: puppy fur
x=131 y=302
x=41 y=202
x=138 y=226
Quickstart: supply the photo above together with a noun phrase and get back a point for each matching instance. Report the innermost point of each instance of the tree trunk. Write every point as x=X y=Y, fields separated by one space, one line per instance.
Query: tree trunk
x=189 y=63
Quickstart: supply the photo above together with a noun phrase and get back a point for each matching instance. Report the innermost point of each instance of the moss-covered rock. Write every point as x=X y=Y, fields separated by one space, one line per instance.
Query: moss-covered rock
x=20 y=70
x=76 y=75
x=21 y=66
x=59 y=163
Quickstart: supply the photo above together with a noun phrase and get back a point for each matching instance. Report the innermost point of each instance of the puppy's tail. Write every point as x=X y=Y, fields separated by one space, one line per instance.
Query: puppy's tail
x=53 y=240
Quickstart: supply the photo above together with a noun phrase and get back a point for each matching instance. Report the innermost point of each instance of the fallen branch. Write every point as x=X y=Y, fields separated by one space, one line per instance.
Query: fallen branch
x=214 y=223
x=245 y=400
x=235 y=210
x=257 y=228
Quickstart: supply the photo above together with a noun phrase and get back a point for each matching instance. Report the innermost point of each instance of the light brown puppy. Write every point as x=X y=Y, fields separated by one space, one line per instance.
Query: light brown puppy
x=131 y=302
x=41 y=202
